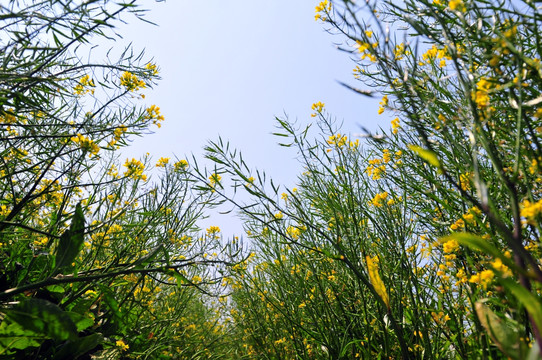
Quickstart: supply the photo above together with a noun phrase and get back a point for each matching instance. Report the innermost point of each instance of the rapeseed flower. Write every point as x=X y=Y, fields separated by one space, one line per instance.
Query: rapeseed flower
x=131 y=82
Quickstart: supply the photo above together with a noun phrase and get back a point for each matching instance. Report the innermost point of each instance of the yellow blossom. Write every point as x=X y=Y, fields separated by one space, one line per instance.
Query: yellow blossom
x=324 y=7
x=83 y=86
x=152 y=67
x=457 y=5
x=122 y=345
x=395 y=125
x=86 y=144
x=294 y=232
x=450 y=246
x=162 y=162
x=530 y=211
x=180 y=165
x=338 y=140
x=131 y=82
x=153 y=113
x=481 y=95
x=500 y=267
x=464 y=181
x=214 y=179
x=378 y=199
x=318 y=107
x=134 y=169
x=213 y=230
x=483 y=278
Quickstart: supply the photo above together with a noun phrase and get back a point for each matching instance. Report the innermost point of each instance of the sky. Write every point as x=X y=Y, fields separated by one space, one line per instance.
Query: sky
x=229 y=67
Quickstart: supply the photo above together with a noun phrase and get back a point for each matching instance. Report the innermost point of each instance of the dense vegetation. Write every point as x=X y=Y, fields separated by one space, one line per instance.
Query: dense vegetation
x=419 y=242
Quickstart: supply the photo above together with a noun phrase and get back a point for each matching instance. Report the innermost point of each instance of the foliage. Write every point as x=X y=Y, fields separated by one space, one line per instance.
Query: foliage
x=96 y=258
x=422 y=242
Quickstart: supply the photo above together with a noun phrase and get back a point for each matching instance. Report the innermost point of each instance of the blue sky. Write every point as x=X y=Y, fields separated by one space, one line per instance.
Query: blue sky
x=230 y=67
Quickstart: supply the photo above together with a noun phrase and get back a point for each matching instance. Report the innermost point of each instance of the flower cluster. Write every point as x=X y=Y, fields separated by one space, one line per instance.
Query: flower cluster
x=180 y=165
x=379 y=199
x=86 y=144
x=322 y=9
x=117 y=134
x=134 y=169
x=131 y=82
x=152 y=68
x=318 y=107
x=162 y=162
x=85 y=85
x=153 y=113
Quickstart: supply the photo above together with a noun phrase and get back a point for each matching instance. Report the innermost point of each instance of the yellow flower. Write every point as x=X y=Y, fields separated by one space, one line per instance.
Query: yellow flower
x=500 y=267
x=213 y=230
x=131 y=82
x=318 y=107
x=180 y=165
x=481 y=95
x=294 y=232
x=464 y=181
x=459 y=224
x=117 y=134
x=214 y=179
x=376 y=281
x=84 y=83
x=153 y=113
x=378 y=199
x=122 y=345
x=457 y=5
x=86 y=144
x=337 y=140
x=450 y=246
x=483 y=278
x=134 y=169
x=162 y=162
x=324 y=7
x=395 y=125
x=530 y=211
x=152 y=67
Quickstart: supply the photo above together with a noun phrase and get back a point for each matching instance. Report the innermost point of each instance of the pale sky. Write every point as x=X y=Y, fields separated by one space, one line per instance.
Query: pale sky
x=229 y=67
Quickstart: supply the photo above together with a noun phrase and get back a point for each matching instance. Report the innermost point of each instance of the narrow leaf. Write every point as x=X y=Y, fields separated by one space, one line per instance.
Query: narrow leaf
x=71 y=241
x=427 y=155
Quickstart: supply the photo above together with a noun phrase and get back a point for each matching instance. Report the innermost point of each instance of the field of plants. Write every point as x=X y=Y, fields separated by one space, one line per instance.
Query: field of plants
x=419 y=241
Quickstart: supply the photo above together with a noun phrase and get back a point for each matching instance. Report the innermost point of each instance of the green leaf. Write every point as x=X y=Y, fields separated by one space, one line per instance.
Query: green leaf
x=110 y=299
x=57 y=289
x=526 y=298
x=74 y=349
x=13 y=336
x=504 y=333
x=43 y=318
x=427 y=155
x=81 y=322
x=71 y=241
